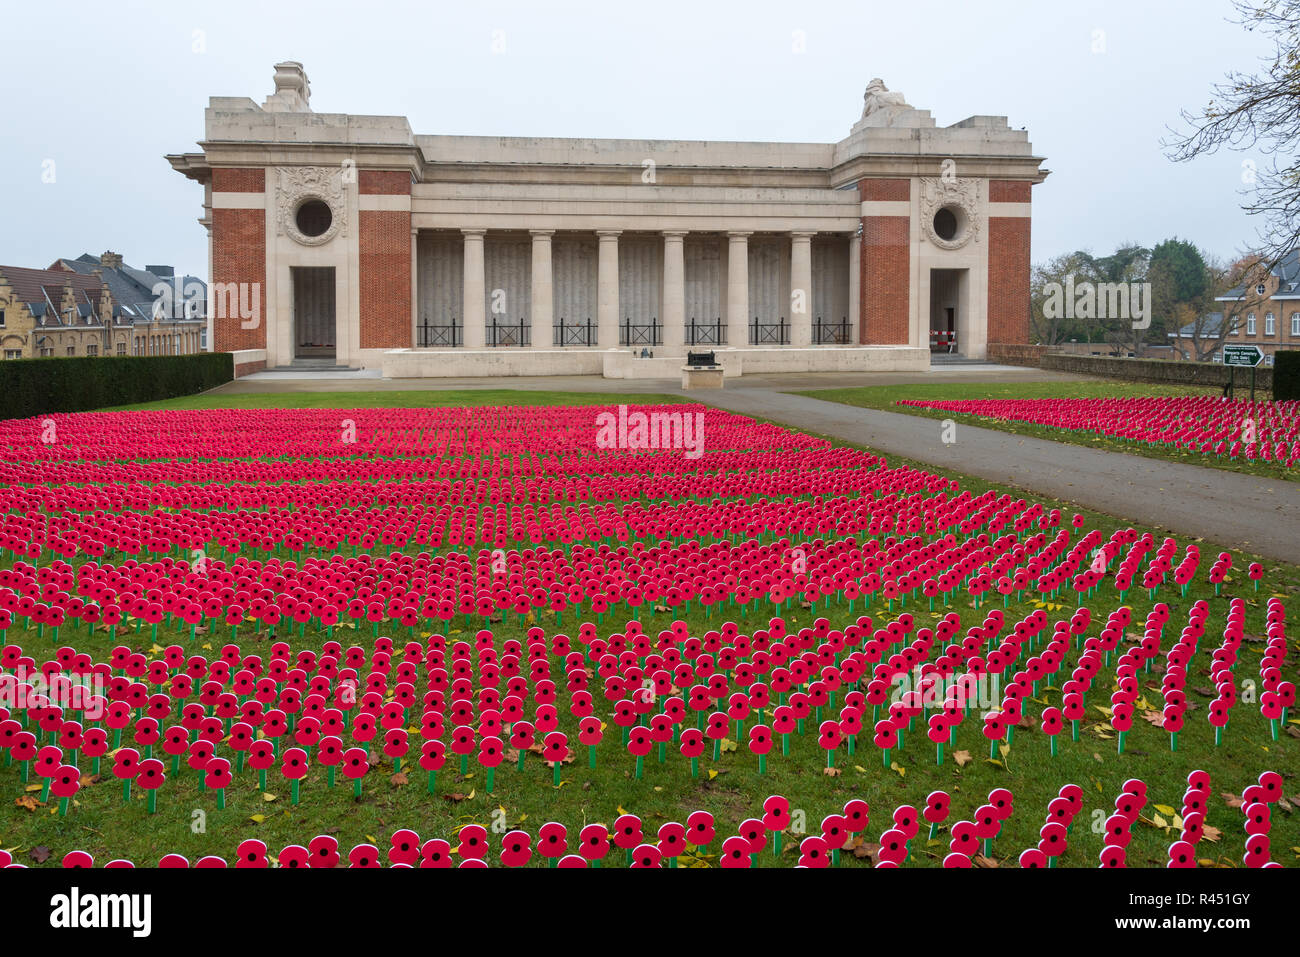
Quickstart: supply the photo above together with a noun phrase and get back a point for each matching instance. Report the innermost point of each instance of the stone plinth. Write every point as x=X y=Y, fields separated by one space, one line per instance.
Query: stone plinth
x=701 y=377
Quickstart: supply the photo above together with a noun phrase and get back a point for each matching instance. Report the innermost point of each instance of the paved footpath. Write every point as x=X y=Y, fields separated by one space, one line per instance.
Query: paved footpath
x=1259 y=515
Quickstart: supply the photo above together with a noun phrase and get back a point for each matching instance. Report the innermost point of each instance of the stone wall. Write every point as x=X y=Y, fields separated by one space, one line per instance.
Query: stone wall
x=1016 y=354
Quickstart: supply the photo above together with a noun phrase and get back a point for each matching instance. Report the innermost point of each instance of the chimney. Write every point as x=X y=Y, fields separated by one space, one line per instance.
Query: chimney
x=110 y=260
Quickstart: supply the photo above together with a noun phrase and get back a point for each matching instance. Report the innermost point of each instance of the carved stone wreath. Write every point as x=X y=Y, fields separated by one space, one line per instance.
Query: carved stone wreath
x=300 y=184
x=961 y=195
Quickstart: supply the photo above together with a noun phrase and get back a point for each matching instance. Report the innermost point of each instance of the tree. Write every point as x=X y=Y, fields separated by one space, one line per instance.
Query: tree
x=1258 y=111
x=1206 y=334
x=1128 y=264
x=1181 y=289
x=1054 y=329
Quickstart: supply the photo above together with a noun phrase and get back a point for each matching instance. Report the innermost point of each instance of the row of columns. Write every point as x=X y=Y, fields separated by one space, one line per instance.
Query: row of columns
x=674 y=291
x=167 y=344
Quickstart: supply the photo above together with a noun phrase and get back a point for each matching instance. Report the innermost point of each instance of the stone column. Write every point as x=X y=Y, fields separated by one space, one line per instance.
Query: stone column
x=474 y=294
x=738 y=289
x=415 y=288
x=607 y=289
x=542 y=291
x=801 y=317
x=674 y=292
x=855 y=288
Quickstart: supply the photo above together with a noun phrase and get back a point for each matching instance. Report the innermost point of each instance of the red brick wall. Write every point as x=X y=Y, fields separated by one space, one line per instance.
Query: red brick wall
x=883 y=310
x=384 y=182
x=238 y=180
x=248 y=368
x=239 y=256
x=883 y=289
x=385 y=244
x=1009 y=191
x=1008 y=310
x=885 y=190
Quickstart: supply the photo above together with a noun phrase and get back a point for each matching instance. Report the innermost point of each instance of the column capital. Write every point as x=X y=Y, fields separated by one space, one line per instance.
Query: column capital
x=802 y=234
x=739 y=234
x=473 y=233
x=541 y=233
x=674 y=233
x=609 y=233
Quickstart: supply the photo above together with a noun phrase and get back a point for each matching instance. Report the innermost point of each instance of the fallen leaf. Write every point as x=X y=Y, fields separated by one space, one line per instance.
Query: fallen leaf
x=1211 y=833
x=832 y=772
x=962 y=758
x=1232 y=800
x=268 y=797
x=39 y=854
x=864 y=851
x=258 y=818
x=397 y=780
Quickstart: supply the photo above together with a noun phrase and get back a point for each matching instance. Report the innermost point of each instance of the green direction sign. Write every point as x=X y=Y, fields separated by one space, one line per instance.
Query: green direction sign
x=1242 y=356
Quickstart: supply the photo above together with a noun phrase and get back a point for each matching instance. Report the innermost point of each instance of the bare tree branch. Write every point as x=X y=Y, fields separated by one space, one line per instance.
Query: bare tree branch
x=1259 y=111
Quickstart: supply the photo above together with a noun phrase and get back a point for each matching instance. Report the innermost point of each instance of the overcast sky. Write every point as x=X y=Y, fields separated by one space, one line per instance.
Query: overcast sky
x=95 y=94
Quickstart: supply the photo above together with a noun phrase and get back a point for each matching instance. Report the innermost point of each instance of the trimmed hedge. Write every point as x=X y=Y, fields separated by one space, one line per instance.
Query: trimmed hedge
x=30 y=387
x=1286 y=375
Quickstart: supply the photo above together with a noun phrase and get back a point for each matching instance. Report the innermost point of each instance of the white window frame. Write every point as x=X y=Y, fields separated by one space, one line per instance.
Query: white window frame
x=1270 y=324
x=1250 y=324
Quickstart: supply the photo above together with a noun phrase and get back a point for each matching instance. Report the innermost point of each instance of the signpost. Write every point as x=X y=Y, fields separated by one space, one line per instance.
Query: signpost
x=1241 y=355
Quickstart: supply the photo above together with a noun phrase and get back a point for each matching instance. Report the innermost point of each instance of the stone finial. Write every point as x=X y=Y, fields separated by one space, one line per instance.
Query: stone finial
x=111 y=260
x=292 y=90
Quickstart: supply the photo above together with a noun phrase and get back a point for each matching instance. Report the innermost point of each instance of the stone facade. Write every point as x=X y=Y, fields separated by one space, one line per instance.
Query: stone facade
x=351 y=240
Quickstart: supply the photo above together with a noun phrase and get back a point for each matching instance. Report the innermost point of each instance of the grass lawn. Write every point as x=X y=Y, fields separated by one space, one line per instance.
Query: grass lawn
x=885 y=397
x=412 y=399
x=730 y=786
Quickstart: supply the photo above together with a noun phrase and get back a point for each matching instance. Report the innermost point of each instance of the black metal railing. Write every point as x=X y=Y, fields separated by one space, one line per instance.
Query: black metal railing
x=831 y=333
x=567 y=332
x=706 y=333
x=769 y=333
x=640 y=334
x=509 y=333
x=448 y=334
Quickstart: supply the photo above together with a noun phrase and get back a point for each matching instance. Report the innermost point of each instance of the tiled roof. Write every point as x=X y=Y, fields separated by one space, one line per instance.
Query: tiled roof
x=132 y=287
x=1287 y=272
x=1211 y=324
x=32 y=286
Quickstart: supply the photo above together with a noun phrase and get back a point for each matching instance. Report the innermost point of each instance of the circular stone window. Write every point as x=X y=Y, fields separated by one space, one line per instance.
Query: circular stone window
x=946 y=224
x=313 y=218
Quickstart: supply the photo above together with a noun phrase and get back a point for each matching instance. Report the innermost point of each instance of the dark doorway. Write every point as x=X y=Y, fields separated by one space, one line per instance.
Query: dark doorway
x=314 y=317
x=947 y=301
